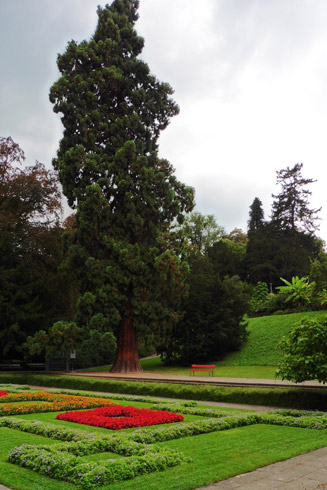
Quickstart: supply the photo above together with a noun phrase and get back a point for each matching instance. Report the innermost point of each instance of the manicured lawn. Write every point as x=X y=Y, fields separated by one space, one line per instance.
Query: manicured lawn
x=258 y=358
x=260 y=372
x=215 y=456
x=154 y=365
x=222 y=455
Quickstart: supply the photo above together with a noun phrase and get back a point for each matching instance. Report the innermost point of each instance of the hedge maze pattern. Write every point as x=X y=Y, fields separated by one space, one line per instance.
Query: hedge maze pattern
x=135 y=453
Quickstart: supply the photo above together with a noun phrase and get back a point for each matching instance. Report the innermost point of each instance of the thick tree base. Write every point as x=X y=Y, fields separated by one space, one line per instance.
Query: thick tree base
x=126 y=367
x=127 y=356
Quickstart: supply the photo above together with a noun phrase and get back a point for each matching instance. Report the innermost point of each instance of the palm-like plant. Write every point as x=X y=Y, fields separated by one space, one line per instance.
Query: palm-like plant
x=298 y=291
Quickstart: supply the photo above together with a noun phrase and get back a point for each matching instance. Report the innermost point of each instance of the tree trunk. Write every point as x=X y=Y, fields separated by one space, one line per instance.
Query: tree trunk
x=127 y=356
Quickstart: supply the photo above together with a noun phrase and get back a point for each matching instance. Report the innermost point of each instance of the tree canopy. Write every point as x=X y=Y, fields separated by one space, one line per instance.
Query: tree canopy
x=107 y=96
x=32 y=293
x=256 y=216
x=123 y=251
x=285 y=245
x=202 y=231
x=305 y=351
x=290 y=209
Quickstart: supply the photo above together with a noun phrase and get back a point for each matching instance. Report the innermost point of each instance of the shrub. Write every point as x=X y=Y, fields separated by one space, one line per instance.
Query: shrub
x=277 y=397
x=258 y=299
x=305 y=351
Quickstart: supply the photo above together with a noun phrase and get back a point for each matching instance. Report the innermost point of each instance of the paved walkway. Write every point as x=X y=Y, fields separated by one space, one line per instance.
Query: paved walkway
x=198 y=379
x=305 y=472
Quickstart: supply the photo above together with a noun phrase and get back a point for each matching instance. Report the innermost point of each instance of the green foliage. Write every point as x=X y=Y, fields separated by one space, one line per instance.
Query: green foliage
x=309 y=399
x=212 y=325
x=107 y=96
x=258 y=299
x=97 y=349
x=290 y=209
x=318 y=272
x=305 y=351
x=32 y=293
x=59 y=341
x=202 y=231
x=322 y=296
x=256 y=216
x=273 y=253
x=123 y=252
x=286 y=245
x=276 y=304
x=227 y=258
x=298 y=291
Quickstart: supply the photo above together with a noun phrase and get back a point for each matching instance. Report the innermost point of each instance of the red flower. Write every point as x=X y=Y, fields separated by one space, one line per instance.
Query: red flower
x=120 y=417
x=3 y=393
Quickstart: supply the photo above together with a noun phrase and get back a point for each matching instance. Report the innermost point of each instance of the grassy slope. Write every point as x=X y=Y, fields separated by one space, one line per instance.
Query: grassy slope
x=258 y=358
x=264 y=334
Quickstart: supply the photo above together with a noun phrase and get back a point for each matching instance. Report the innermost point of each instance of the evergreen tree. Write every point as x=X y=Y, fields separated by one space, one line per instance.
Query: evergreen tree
x=106 y=96
x=290 y=209
x=285 y=246
x=213 y=322
x=123 y=251
x=256 y=216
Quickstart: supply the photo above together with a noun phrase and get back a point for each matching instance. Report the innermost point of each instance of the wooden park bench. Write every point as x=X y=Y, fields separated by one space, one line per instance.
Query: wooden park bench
x=202 y=368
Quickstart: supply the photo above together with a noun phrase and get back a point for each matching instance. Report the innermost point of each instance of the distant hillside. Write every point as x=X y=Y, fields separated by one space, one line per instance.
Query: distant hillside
x=264 y=334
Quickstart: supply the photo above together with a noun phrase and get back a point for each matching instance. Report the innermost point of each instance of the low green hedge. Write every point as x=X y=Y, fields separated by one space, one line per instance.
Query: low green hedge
x=310 y=399
x=63 y=460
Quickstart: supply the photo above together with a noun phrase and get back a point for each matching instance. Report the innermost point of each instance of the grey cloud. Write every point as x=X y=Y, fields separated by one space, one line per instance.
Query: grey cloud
x=229 y=198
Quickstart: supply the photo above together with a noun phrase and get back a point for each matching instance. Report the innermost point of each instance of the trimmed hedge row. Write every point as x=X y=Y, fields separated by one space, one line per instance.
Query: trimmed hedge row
x=311 y=399
x=63 y=461
x=64 y=466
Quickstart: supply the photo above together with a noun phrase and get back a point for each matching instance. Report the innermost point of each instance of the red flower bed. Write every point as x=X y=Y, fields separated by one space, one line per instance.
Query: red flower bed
x=119 y=417
x=3 y=393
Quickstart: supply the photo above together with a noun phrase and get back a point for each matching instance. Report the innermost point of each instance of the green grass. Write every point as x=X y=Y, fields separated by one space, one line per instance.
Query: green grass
x=215 y=456
x=264 y=334
x=154 y=365
x=258 y=358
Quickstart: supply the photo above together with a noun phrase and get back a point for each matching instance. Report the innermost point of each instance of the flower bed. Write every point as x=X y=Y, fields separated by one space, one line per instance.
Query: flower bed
x=3 y=393
x=138 y=450
x=119 y=417
x=52 y=403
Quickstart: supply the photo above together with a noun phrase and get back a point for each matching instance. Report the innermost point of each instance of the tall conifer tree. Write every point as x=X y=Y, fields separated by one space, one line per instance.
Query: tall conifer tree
x=256 y=216
x=290 y=209
x=113 y=111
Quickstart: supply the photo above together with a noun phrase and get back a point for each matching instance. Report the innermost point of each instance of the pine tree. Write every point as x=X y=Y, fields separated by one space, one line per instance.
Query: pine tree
x=290 y=209
x=256 y=216
x=123 y=251
x=106 y=96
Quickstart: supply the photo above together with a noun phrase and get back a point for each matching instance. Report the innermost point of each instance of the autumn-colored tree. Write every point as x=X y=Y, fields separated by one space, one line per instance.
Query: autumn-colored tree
x=127 y=198
x=30 y=249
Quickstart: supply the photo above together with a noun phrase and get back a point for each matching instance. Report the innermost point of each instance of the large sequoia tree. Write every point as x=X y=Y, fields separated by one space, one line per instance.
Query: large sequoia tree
x=123 y=251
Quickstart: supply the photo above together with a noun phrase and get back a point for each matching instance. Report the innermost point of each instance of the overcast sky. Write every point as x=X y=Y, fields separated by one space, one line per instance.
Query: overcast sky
x=250 y=77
